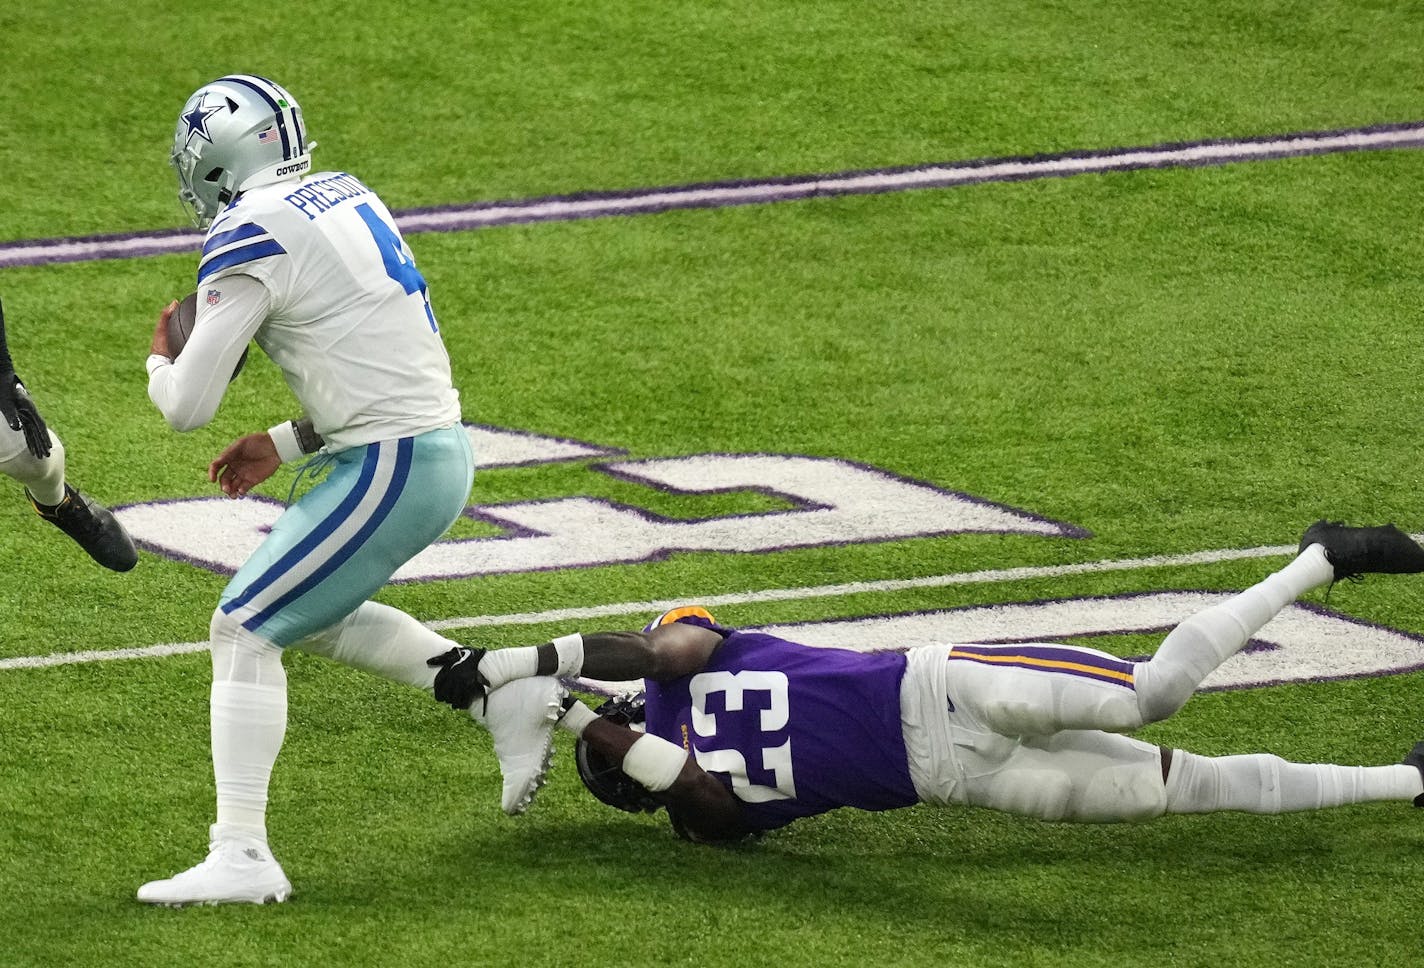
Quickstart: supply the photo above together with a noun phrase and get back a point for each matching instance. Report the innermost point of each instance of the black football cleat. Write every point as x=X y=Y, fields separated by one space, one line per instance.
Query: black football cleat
x=92 y=525
x=1382 y=550
x=1416 y=760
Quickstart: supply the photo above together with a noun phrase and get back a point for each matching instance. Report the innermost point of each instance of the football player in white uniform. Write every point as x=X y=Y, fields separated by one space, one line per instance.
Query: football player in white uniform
x=314 y=269
x=33 y=455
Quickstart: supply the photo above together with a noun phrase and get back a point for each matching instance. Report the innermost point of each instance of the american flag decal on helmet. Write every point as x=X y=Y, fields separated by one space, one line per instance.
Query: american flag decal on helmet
x=288 y=121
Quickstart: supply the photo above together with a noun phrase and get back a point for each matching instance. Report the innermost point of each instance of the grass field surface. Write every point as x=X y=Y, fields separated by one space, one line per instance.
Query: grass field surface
x=1167 y=361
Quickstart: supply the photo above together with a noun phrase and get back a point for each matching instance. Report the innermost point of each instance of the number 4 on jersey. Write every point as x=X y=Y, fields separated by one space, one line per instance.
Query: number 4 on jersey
x=400 y=264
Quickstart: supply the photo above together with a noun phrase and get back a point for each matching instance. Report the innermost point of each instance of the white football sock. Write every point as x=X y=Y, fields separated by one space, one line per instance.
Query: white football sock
x=248 y=709
x=1196 y=647
x=383 y=640
x=1263 y=783
x=248 y=724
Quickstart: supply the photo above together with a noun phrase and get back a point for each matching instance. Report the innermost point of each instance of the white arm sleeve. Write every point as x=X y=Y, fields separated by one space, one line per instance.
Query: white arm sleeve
x=188 y=390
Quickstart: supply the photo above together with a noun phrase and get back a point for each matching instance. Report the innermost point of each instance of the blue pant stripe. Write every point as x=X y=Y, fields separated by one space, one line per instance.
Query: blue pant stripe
x=404 y=448
x=312 y=541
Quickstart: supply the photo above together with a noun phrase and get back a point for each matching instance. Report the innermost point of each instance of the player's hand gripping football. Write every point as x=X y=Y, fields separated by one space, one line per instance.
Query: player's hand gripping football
x=21 y=414
x=244 y=463
x=158 y=346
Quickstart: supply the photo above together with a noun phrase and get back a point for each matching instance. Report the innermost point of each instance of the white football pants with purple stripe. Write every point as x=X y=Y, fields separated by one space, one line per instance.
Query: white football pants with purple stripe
x=381 y=505
x=1033 y=729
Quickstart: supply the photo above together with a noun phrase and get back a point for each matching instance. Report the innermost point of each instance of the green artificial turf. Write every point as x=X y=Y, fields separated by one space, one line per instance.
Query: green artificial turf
x=1172 y=361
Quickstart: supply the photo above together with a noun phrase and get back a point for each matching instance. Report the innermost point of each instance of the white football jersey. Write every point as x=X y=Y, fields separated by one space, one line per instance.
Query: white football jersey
x=348 y=319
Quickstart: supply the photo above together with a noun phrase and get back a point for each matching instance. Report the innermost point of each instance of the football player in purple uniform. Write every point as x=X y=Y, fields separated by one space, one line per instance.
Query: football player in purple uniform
x=33 y=455
x=745 y=732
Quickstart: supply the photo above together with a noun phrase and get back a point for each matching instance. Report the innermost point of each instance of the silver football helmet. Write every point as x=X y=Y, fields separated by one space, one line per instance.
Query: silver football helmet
x=236 y=133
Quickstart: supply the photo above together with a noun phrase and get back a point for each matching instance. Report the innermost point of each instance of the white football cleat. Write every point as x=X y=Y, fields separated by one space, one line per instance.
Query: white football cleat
x=239 y=869
x=521 y=716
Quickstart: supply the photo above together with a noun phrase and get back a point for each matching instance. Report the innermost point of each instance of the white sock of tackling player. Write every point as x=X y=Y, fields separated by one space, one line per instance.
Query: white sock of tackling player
x=383 y=640
x=248 y=721
x=1262 y=783
x=502 y=665
x=42 y=478
x=1193 y=649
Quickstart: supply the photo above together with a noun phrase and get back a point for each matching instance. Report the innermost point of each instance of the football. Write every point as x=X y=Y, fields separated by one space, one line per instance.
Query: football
x=180 y=327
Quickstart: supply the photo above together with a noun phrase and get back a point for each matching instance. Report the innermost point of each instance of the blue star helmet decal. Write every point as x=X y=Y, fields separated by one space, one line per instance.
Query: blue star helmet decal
x=197 y=121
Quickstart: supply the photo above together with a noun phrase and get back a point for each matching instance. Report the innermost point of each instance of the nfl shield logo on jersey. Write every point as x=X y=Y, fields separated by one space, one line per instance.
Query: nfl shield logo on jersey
x=214 y=297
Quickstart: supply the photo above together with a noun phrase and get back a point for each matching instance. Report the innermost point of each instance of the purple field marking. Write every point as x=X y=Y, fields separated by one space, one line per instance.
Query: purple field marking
x=586 y=205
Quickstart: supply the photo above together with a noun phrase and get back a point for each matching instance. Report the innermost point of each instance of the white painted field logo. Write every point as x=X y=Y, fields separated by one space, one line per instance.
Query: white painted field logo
x=828 y=502
x=832 y=502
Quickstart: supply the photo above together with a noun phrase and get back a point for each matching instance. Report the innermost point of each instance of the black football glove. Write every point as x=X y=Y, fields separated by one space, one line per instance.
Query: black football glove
x=18 y=409
x=458 y=682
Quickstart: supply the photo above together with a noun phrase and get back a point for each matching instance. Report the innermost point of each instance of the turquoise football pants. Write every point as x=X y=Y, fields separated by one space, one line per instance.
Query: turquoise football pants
x=380 y=506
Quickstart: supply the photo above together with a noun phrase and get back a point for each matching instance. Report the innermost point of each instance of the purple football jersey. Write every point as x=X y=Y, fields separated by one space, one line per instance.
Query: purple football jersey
x=792 y=730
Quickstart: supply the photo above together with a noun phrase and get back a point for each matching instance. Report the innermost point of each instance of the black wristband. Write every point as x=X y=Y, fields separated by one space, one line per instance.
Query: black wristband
x=307 y=438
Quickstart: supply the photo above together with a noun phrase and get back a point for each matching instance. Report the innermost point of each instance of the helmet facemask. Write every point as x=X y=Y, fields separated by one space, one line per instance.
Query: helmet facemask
x=202 y=201
x=604 y=779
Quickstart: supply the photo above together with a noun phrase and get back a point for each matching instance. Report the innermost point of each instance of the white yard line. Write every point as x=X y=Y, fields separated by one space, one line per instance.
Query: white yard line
x=651 y=608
